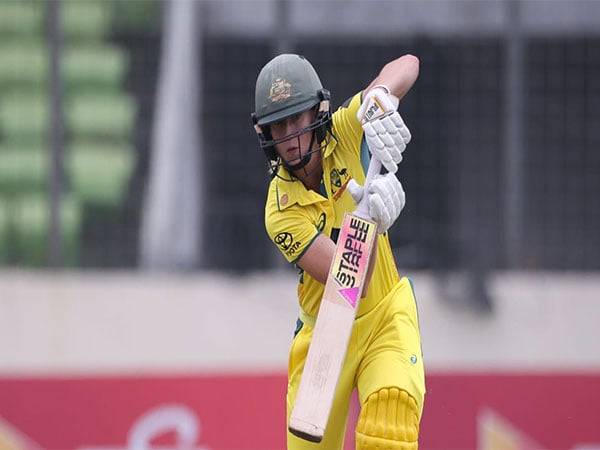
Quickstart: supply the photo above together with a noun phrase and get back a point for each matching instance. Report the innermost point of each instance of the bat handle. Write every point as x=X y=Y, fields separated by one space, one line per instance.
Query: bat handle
x=363 y=206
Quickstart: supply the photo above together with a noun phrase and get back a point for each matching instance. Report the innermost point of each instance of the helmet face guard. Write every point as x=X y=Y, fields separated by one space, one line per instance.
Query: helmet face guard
x=320 y=128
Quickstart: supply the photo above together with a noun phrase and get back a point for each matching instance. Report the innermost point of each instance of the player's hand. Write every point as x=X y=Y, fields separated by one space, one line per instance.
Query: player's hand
x=386 y=199
x=385 y=131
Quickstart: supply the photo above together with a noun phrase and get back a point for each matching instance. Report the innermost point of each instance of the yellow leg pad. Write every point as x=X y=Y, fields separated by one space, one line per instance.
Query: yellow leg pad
x=389 y=420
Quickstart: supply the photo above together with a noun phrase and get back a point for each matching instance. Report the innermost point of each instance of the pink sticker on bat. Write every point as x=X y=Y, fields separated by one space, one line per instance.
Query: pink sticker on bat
x=351 y=260
x=350 y=294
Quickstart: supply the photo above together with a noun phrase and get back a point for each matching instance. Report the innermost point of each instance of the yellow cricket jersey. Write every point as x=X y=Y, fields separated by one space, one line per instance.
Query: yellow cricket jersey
x=294 y=216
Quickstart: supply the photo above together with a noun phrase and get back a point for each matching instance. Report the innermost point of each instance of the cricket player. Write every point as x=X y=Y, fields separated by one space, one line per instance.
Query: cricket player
x=318 y=161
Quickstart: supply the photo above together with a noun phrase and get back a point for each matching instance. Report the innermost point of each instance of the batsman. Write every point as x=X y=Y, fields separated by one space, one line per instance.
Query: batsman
x=318 y=162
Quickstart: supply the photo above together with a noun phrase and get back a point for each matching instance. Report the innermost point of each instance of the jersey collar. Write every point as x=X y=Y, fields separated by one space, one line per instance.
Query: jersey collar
x=292 y=192
x=330 y=147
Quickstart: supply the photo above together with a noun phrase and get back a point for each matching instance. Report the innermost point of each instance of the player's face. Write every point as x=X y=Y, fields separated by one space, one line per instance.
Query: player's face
x=292 y=150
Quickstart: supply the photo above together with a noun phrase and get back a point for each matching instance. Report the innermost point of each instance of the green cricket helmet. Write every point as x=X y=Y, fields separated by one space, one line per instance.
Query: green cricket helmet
x=288 y=85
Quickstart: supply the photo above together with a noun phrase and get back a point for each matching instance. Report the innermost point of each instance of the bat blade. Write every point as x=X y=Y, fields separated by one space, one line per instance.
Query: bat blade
x=327 y=352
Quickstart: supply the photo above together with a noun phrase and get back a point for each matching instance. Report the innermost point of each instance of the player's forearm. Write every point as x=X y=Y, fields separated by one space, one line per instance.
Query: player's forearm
x=317 y=259
x=398 y=75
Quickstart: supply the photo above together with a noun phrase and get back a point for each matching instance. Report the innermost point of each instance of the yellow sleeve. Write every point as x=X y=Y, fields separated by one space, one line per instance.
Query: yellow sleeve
x=291 y=231
x=346 y=126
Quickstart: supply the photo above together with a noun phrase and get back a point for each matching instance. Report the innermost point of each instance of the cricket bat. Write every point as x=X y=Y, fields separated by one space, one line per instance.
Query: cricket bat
x=335 y=320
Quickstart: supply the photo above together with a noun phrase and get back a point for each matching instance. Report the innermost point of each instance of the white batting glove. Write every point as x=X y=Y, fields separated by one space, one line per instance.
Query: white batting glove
x=385 y=131
x=386 y=199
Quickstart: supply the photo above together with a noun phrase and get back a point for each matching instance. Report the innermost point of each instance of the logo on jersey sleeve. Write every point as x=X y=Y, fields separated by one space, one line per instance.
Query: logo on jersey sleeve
x=286 y=242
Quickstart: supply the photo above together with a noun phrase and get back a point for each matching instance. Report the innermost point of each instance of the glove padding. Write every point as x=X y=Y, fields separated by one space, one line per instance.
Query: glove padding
x=385 y=131
x=386 y=199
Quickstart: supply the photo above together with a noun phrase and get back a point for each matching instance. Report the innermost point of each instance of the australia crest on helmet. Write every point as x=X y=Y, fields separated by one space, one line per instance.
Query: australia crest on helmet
x=280 y=90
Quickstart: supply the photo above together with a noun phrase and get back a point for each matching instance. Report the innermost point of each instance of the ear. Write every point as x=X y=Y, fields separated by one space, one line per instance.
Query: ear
x=255 y=123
